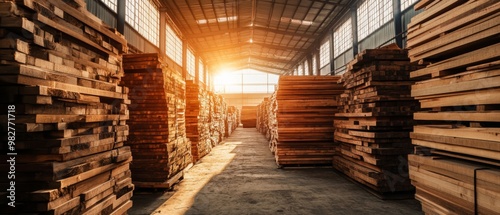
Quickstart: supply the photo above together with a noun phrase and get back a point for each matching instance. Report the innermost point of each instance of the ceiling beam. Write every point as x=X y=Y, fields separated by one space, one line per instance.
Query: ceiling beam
x=239 y=64
x=330 y=2
x=244 y=44
x=249 y=28
x=258 y=58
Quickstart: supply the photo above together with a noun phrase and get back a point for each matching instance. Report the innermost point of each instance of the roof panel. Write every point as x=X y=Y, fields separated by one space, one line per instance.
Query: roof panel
x=269 y=32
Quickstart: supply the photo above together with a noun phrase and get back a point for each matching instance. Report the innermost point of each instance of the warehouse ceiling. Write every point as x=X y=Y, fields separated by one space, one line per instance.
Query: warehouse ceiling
x=266 y=35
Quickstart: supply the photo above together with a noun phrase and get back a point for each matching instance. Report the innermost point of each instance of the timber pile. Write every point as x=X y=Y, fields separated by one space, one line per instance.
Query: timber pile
x=197 y=120
x=262 y=117
x=158 y=139
x=232 y=120
x=375 y=120
x=272 y=123
x=217 y=118
x=305 y=106
x=249 y=116
x=459 y=93
x=59 y=73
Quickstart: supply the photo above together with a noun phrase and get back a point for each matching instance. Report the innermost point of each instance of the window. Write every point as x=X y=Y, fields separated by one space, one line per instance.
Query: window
x=314 y=65
x=342 y=38
x=306 y=67
x=190 y=64
x=406 y=4
x=245 y=81
x=112 y=4
x=143 y=16
x=371 y=15
x=174 y=46
x=201 y=69
x=324 y=54
x=300 y=70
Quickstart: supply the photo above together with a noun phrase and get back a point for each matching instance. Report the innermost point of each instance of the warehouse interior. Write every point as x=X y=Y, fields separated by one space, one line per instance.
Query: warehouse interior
x=250 y=106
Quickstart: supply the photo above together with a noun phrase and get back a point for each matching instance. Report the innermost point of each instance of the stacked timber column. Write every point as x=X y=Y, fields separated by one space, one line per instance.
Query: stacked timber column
x=217 y=118
x=197 y=120
x=262 y=117
x=158 y=139
x=375 y=120
x=305 y=107
x=232 y=120
x=249 y=116
x=272 y=123
x=456 y=165
x=66 y=114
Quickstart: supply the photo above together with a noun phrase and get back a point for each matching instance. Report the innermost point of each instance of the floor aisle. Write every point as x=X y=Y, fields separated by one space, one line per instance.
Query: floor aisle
x=241 y=177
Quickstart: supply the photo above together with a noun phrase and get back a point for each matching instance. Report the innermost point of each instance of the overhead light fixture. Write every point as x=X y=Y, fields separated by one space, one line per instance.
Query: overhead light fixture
x=251 y=40
x=215 y=20
x=296 y=21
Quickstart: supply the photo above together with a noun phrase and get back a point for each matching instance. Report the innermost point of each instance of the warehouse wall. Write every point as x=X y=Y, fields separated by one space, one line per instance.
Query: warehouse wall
x=248 y=99
x=101 y=11
x=384 y=35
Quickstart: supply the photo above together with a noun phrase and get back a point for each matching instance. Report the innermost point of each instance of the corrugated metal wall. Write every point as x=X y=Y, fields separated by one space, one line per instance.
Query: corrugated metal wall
x=137 y=41
x=343 y=59
x=406 y=18
x=101 y=11
x=377 y=38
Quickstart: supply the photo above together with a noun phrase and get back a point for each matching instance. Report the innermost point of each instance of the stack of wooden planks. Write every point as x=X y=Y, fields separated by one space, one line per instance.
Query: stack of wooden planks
x=198 y=120
x=262 y=117
x=217 y=117
x=305 y=106
x=459 y=92
x=249 y=116
x=158 y=139
x=64 y=113
x=272 y=123
x=375 y=120
x=231 y=120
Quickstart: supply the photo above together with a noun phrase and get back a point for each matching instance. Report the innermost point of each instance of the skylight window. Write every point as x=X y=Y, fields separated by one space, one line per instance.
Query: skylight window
x=220 y=19
x=296 y=21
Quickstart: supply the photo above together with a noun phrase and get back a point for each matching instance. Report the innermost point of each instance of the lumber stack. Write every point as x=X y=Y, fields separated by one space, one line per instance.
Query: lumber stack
x=262 y=117
x=158 y=139
x=249 y=116
x=375 y=120
x=459 y=93
x=305 y=106
x=272 y=123
x=198 y=120
x=232 y=120
x=67 y=115
x=217 y=118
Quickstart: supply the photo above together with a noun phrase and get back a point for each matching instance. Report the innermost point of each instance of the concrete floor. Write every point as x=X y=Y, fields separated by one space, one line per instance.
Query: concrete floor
x=241 y=177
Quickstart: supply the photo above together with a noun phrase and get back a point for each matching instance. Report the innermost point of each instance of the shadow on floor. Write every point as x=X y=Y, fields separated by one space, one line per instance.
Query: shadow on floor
x=241 y=177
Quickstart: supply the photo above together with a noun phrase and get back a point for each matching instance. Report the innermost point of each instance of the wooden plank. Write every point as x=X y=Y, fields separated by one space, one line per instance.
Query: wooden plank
x=486 y=116
x=464 y=60
x=486 y=134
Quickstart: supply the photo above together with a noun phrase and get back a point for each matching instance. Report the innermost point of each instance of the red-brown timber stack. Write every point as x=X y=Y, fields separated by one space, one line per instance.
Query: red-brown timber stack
x=305 y=106
x=249 y=116
x=158 y=139
x=198 y=120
